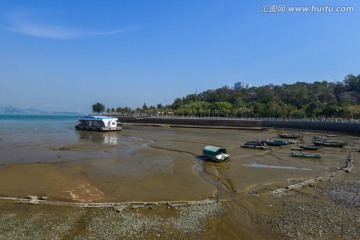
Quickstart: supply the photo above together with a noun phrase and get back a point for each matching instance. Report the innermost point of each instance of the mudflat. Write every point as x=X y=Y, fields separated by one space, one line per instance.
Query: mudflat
x=156 y=164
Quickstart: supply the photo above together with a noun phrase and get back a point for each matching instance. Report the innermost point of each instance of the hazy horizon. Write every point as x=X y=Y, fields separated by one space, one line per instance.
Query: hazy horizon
x=66 y=56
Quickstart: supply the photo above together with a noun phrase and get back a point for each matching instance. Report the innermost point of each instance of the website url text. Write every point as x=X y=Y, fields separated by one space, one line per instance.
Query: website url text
x=279 y=8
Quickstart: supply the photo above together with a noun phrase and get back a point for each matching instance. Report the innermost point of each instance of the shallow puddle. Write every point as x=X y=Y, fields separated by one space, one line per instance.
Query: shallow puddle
x=259 y=165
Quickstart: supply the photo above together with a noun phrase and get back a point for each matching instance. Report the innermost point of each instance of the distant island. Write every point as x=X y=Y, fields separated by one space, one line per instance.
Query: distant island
x=11 y=110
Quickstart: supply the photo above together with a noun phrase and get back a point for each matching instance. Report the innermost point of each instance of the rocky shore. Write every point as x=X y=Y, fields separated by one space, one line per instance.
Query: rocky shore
x=79 y=223
x=325 y=210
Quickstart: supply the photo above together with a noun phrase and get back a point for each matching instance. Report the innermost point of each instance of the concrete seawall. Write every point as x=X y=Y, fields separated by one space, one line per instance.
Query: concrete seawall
x=194 y=122
x=349 y=128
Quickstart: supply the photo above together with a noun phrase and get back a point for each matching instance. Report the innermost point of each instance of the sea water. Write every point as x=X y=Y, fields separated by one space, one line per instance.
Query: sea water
x=28 y=139
x=36 y=127
x=20 y=135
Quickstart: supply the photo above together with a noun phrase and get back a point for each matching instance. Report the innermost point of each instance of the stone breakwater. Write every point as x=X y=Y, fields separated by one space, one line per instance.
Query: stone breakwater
x=38 y=200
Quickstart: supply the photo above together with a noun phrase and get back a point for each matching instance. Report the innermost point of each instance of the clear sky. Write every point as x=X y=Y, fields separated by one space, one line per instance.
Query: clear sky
x=66 y=55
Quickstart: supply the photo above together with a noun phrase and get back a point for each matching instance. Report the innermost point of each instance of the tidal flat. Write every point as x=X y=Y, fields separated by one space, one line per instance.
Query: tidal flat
x=161 y=164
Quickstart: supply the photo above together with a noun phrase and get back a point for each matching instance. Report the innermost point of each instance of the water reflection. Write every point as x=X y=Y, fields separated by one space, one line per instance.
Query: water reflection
x=109 y=138
x=259 y=165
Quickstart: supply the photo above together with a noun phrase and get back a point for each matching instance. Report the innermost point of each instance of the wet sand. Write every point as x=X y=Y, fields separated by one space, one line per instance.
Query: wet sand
x=163 y=164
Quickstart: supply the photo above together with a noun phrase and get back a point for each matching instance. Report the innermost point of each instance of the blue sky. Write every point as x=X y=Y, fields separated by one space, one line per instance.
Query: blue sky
x=66 y=55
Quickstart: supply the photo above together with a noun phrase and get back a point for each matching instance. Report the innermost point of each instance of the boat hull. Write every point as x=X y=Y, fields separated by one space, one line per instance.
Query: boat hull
x=305 y=155
x=289 y=135
x=214 y=159
x=329 y=144
x=254 y=145
x=310 y=147
x=98 y=129
x=275 y=143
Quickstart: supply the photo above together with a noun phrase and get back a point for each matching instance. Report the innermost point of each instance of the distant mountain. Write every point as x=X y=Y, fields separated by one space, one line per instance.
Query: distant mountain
x=16 y=110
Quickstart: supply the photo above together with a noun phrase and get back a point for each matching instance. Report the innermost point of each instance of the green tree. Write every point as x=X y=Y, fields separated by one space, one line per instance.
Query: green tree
x=98 y=108
x=222 y=109
x=352 y=82
x=317 y=99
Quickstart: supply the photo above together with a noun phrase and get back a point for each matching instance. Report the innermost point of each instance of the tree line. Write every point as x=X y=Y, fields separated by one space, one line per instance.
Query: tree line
x=299 y=100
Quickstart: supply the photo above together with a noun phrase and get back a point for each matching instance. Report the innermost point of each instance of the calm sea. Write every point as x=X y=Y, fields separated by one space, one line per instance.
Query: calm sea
x=36 y=127
x=36 y=138
x=27 y=138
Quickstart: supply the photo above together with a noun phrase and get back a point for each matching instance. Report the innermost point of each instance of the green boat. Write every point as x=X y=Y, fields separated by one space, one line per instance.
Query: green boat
x=304 y=155
x=216 y=154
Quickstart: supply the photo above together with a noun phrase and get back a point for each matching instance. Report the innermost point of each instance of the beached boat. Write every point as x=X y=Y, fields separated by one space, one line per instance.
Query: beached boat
x=304 y=155
x=255 y=145
x=216 y=154
x=289 y=135
x=320 y=138
x=329 y=143
x=274 y=142
x=310 y=147
x=98 y=123
x=289 y=141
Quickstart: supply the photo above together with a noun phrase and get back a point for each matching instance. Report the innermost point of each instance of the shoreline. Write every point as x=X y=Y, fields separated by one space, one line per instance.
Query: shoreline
x=148 y=170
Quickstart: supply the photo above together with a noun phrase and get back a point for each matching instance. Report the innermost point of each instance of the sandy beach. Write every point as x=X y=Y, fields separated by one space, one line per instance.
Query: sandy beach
x=154 y=164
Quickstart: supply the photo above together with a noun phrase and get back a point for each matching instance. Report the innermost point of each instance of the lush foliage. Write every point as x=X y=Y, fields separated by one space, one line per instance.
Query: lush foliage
x=299 y=100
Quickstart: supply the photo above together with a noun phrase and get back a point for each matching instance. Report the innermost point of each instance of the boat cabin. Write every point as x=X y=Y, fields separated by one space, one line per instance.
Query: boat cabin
x=98 y=123
x=215 y=153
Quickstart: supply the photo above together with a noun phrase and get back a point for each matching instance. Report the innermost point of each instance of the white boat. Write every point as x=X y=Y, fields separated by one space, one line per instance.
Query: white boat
x=98 y=123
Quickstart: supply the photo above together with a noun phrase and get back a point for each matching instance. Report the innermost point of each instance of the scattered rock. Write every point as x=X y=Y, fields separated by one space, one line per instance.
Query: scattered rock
x=30 y=197
x=119 y=209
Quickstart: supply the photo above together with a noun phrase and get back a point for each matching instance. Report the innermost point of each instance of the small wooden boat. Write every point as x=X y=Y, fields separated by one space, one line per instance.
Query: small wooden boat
x=329 y=143
x=304 y=155
x=320 y=138
x=255 y=145
x=289 y=141
x=310 y=147
x=289 y=135
x=297 y=149
x=216 y=154
x=273 y=142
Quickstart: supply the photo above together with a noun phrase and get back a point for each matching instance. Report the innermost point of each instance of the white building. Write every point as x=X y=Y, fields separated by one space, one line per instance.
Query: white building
x=240 y=85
